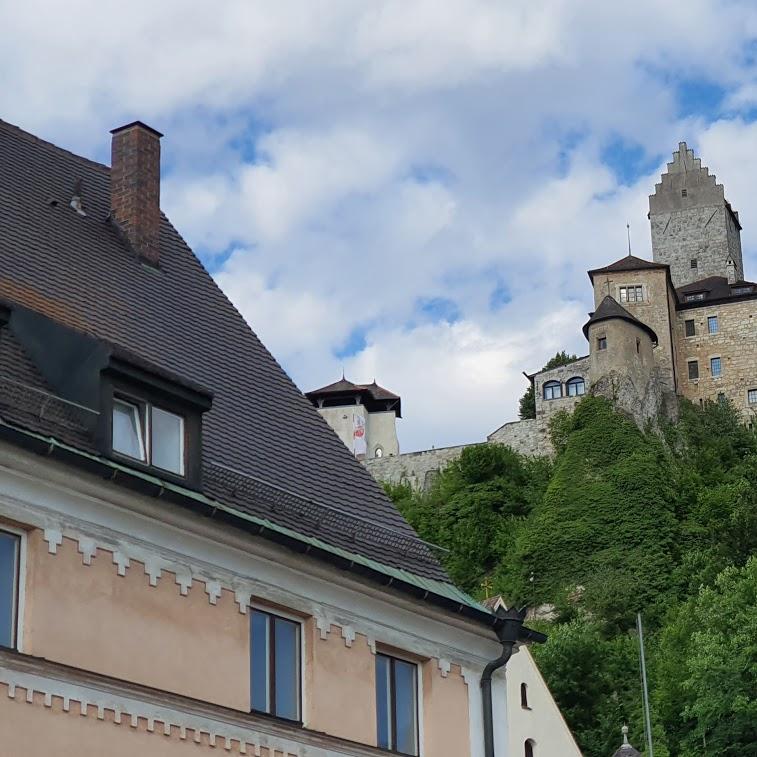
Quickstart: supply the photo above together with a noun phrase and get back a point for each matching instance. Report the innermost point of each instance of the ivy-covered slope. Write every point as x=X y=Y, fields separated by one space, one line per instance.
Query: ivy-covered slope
x=620 y=522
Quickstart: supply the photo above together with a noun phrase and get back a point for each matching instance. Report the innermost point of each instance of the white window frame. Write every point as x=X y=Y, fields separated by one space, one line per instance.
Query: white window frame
x=142 y=427
x=638 y=294
x=720 y=363
x=281 y=613
x=182 y=438
x=748 y=392
x=21 y=582
x=389 y=651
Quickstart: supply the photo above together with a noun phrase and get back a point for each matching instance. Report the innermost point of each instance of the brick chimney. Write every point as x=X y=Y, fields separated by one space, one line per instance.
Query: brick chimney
x=135 y=187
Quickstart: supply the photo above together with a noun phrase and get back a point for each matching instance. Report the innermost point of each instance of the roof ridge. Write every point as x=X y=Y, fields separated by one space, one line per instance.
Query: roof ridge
x=29 y=137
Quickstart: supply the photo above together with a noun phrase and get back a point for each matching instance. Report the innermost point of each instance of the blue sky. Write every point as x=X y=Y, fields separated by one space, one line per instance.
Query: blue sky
x=409 y=191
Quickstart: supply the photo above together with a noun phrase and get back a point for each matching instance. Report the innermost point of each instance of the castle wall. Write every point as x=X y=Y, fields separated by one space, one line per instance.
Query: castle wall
x=546 y=407
x=529 y=437
x=735 y=344
x=381 y=430
x=340 y=419
x=654 y=310
x=419 y=469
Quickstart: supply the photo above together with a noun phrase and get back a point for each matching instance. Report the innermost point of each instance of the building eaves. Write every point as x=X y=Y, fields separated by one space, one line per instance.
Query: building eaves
x=439 y=593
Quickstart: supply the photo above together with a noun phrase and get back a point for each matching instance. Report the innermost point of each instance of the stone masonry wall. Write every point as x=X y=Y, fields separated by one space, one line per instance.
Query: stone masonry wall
x=735 y=343
x=529 y=437
x=418 y=469
x=563 y=374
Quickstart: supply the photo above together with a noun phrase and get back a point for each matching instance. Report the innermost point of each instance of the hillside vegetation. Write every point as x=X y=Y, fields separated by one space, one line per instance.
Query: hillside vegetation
x=621 y=521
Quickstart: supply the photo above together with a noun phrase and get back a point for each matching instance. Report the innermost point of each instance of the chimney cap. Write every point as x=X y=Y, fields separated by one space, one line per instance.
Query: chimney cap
x=136 y=123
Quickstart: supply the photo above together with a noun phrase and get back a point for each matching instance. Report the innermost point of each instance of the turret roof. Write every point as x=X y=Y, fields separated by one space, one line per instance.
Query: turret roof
x=371 y=392
x=610 y=308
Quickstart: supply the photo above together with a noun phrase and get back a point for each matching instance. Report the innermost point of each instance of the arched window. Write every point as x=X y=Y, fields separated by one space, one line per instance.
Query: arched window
x=524 y=696
x=379 y=452
x=552 y=390
x=529 y=748
x=576 y=386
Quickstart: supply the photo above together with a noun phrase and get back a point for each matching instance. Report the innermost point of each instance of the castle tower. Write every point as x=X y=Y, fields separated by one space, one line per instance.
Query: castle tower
x=694 y=229
x=364 y=416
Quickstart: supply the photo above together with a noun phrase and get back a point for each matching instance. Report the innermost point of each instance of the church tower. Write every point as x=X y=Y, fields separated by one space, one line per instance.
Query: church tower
x=694 y=229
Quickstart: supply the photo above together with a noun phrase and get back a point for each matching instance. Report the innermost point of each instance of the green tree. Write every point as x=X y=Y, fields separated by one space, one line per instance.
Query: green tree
x=707 y=683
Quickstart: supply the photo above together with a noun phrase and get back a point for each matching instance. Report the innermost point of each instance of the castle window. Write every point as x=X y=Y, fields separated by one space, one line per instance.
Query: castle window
x=379 y=452
x=695 y=297
x=684 y=192
x=690 y=326
x=721 y=398
x=694 y=263
x=128 y=429
x=693 y=369
x=524 y=696
x=529 y=748
x=633 y=293
x=552 y=390
x=712 y=324
x=576 y=386
x=638 y=346
x=601 y=342
x=715 y=366
x=742 y=290
x=751 y=396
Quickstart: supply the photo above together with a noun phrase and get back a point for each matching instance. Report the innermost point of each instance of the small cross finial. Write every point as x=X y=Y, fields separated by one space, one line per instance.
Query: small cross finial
x=628 y=233
x=487 y=586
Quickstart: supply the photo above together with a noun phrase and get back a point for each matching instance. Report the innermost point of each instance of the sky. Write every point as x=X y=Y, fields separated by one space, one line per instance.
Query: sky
x=405 y=190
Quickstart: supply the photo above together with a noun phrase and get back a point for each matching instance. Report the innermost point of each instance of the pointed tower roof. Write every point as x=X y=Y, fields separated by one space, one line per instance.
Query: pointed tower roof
x=342 y=392
x=610 y=308
x=626 y=750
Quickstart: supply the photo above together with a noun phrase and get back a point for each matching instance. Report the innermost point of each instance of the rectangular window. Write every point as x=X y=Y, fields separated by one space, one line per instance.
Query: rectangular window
x=167 y=441
x=691 y=328
x=693 y=263
x=397 y=704
x=275 y=665
x=684 y=192
x=149 y=434
x=712 y=324
x=715 y=368
x=751 y=396
x=128 y=430
x=9 y=557
x=632 y=293
x=693 y=369
x=601 y=342
x=695 y=297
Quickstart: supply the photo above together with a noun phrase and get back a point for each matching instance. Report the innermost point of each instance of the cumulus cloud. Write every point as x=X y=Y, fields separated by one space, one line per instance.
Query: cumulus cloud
x=413 y=191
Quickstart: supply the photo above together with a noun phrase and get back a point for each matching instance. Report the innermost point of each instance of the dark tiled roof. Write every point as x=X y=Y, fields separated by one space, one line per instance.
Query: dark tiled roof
x=628 y=263
x=373 y=393
x=715 y=288
x=77 y=271
x=610 y=308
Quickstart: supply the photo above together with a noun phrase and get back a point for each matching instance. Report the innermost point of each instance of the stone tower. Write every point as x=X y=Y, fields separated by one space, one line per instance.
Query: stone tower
x=364 y=416
x=694 y=229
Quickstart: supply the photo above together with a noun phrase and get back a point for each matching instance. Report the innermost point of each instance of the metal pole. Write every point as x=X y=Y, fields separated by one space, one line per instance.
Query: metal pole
x=647 y=719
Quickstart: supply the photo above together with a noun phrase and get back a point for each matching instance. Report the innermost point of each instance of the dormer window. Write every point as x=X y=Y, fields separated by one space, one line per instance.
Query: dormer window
x=148 y=434
x=695 y=297
x=152 y=420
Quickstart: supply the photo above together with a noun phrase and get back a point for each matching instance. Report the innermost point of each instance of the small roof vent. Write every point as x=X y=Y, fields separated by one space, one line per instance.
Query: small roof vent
x=76 y=202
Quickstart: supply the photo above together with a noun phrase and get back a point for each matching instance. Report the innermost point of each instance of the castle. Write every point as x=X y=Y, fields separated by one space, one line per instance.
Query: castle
x=681 y=325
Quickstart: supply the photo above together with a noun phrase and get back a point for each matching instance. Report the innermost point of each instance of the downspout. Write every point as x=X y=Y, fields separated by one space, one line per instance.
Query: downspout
x=510 y=631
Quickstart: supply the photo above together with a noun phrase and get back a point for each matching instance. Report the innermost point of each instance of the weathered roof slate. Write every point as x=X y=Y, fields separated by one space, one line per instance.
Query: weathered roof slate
x=79 y=272
x=628 y=263
x=610 y=308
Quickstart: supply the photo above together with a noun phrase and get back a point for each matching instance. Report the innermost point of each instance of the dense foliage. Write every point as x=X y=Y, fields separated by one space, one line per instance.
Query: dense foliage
x=621 y=521
x=527 y=404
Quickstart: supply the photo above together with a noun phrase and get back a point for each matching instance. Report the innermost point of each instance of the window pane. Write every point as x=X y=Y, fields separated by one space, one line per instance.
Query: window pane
x=8 y=574
x=259 y=662
x=715 y=366
x=287 y=656
x=167 y=441
x=752 y=396
x=405 y=698
x=712 y=324
x=127 y=430
x=383 y=702
x=690 y=328
x=693 y=369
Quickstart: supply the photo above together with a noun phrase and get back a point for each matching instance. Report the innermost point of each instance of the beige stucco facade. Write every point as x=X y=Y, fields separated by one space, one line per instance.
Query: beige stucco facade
x=135 y=618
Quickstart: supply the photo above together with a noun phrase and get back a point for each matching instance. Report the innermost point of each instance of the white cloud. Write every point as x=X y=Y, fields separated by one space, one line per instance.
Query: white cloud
x=358 y=158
